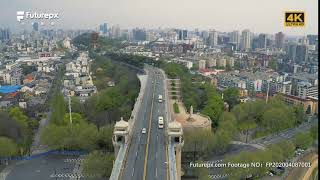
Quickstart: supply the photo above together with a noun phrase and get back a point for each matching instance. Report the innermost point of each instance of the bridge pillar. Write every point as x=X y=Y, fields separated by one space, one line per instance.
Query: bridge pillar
x=120 y=135
x=175 y=134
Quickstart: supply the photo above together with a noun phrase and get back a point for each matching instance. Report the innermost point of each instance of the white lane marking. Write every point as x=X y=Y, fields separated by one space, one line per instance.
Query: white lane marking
x=132 y=171
x=136 y=153
x=156 y=172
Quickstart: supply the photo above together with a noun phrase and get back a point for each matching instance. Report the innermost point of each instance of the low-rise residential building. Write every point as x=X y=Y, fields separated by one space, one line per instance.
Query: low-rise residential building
x=310 y=104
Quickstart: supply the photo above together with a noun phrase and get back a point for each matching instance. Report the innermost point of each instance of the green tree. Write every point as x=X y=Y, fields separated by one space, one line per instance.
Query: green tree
x=225 y=132
x=54 y=136
x=231 y=96
x=248 y=158
x=303 y=140
x=247 y=116
x=76 y=119
x=245 y=126
x=299 y=114
x=74 y=137
x=98 y=164
x=24 y=123
x=105 y=138
x=214 y=105
x=7 y=147
x=277 y=153
x=176 y=108
x=288 y=148
x=58 y=108
x=16 y=114
x=314 y=132
x=200 y=141
x=277 y=119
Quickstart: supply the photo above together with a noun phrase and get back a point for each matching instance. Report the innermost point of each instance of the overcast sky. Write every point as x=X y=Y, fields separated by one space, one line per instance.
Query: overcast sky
x=265 y=16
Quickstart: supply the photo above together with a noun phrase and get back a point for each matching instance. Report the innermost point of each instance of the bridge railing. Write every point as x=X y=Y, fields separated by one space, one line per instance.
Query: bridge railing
x=170 y=147
x=117 y=166
x=121 y=158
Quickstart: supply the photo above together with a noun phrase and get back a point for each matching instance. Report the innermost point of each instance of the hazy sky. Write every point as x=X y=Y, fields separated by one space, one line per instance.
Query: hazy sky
x=264 y=16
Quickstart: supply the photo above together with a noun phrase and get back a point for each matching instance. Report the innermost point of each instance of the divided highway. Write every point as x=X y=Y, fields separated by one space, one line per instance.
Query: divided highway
x=147 y=156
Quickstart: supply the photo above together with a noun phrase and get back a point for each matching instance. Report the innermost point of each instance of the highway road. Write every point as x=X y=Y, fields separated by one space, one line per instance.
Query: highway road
x=146 y=156
x=285 y=134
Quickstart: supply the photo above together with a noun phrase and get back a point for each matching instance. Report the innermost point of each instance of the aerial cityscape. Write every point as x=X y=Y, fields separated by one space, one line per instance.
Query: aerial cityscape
x=143 y=90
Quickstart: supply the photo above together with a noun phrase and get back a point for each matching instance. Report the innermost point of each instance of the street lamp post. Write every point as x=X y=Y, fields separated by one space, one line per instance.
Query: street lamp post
x=268 y=83
x=70 y=116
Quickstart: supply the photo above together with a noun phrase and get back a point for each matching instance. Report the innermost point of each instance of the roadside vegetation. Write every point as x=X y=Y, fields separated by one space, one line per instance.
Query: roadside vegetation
x=92 y=124
x=176 y=108
x=16 y=131
x=242 y=121
x=280 y=152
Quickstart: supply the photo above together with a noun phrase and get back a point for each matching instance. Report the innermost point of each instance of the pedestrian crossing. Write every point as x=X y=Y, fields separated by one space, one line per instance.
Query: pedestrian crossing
x=70 y=175
x=73 y=160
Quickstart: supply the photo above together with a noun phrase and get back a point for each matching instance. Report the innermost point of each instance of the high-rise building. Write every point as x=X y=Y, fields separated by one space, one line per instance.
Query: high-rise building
x=279 y=40
x=262 y=41
x=313 y=39
x=270 y=42
x=103 y=28
x=304 y=40
x=213 y=38
x=301 y=53
x=306 y=89
x=182 y=34
x=223 y=39
x=245 y=40
x=291 y=51
x=4 y=34
x=255 y=43
x=139 y=34
x=115 y=32
x=235 y=38
x=35 y=26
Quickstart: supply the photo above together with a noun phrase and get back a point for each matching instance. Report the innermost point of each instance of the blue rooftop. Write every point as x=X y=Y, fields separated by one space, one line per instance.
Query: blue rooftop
x=9 y=89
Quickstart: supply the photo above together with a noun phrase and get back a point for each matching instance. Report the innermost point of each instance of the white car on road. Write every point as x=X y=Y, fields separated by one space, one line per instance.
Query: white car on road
x=144 y=130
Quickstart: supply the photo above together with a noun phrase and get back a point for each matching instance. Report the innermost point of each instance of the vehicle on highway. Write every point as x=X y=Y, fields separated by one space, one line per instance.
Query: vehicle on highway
x=270 y=173
x=160 y=98
x=144 y=130
x=160 y=122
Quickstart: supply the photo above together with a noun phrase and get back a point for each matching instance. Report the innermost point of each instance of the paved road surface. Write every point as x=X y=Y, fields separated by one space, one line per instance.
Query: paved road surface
x=42 y=168
x=148 y=150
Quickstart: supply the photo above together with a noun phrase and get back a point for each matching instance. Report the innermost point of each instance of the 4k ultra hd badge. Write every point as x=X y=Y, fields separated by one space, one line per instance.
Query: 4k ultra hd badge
x=294 y=19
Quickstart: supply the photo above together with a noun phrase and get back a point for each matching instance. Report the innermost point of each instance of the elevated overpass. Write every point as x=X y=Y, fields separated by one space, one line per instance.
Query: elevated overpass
x=155 y=154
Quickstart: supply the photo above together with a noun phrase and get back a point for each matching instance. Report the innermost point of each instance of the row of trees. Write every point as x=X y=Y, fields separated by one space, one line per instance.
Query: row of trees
x=16 y=131
x=258 y=119
x=194 y=92
x=80 y=135
x=110 y=103
x=275 y=153
x=247 y=120
x=98 y=164
x=279 y=152
x=205 y=141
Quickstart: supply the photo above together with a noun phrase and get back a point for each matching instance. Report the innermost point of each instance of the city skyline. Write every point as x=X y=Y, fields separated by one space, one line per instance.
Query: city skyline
x=173 y=14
